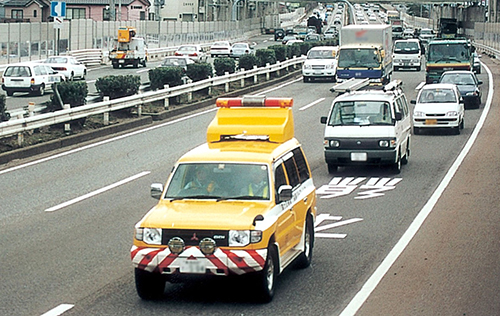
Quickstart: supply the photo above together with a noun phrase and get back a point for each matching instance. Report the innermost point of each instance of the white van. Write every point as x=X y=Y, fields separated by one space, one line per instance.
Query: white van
x=30 y=77
x=407 y=54
x=369 y=127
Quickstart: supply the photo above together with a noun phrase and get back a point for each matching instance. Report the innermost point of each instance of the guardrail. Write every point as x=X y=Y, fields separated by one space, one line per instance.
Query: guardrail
x=23 y=124
x=494 y=53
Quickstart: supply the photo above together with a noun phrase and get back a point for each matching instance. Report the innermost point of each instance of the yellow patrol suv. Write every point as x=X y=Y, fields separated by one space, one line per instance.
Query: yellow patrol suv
x=243 y=203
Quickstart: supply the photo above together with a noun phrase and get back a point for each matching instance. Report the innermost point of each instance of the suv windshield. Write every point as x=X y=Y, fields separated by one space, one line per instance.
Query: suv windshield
x=219 y=181
x=321 y=54
x=361 y=113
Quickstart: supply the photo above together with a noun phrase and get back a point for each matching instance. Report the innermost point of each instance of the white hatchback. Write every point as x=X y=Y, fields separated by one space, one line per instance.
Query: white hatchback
x=438 y=106
x=34 y=78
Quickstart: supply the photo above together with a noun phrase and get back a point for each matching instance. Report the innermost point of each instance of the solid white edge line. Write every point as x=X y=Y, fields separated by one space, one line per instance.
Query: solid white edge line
x=101 y=190
x=363 y=294
x=311 y=104
x=56 y=311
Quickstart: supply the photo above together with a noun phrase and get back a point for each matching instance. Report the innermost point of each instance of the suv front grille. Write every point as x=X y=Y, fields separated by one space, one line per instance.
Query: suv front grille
x=192 y=237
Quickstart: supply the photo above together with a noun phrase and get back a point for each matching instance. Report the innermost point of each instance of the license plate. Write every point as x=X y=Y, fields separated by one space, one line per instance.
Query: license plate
x=121 y=61
x=431 y=122
x=55 y=79
x=447 y=68
x=193 y=266
x=358 y=156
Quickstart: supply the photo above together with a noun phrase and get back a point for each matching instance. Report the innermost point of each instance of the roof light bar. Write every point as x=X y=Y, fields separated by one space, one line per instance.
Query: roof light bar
x=393 y=85
x=254 y=101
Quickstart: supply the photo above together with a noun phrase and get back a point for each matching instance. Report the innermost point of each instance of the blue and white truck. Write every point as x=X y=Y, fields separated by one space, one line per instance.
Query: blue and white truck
x=365 y=52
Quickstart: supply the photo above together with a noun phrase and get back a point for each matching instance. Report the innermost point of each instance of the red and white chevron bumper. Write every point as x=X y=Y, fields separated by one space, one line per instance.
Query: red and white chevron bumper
x=192 y=260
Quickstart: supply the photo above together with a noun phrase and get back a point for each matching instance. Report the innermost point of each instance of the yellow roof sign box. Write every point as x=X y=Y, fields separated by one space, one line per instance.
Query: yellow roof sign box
x=252 y=118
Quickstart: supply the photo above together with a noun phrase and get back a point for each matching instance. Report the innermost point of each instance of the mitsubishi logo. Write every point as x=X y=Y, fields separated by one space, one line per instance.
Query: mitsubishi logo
x=358 y=142
x=194 y=237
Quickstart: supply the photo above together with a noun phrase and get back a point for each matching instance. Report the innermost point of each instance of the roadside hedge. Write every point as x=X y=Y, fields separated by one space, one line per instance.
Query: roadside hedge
x=118 y=86
x=161 y=76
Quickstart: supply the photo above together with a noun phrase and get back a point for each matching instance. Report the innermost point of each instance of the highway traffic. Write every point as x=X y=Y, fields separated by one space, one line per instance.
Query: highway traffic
x=68 y=217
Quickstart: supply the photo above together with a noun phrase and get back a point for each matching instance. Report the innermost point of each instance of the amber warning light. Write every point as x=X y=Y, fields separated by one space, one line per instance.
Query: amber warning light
x=254 y=101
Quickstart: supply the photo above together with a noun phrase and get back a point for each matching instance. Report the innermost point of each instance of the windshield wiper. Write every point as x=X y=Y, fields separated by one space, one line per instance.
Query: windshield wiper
x=200 y=196
x=247 y=197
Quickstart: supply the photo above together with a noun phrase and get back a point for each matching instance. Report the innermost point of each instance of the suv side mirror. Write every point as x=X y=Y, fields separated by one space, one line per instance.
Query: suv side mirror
x=413 y=101
x=323 y=119
x=284 y=193
x=156 y=190
x=398 y=116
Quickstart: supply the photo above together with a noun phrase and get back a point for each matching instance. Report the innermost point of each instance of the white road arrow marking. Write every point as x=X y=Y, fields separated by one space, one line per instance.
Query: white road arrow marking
x=322 y=217
x=376 y=187
x=338 y=187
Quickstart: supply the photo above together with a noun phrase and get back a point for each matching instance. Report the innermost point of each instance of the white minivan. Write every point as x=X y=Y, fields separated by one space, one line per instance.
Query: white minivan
x=369 y=127
x=29 y=77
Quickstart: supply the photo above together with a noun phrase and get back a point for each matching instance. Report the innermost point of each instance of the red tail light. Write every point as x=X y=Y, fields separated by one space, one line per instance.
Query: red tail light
x=32 y=81
x=177 y=54
x=193 y=54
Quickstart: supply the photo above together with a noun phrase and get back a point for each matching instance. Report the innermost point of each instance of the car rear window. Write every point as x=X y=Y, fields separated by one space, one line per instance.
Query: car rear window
x=17 y=71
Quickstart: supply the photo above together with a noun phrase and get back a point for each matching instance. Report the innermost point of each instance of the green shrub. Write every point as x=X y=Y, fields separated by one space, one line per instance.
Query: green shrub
x=4 y=116
x=294 y=50
x=265 y=56
x=223 y=65
x=73 y=93
x=305 y=47
x=197 y=72
x=280 y=51
x=247 y=61
x=159 y=77
x=118 y=86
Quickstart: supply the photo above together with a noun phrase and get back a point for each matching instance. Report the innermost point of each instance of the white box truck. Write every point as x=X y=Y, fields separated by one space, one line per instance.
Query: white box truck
x=365 y=52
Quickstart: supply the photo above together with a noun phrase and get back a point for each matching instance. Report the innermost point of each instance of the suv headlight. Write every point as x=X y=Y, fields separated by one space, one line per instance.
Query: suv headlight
x=148 y=235
x=418 y=114
x=240 y=238
x=452 y=113
x=306 y=66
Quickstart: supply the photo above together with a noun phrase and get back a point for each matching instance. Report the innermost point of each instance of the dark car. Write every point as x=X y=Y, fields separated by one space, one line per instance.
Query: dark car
x=468 y=85
x=279 y=34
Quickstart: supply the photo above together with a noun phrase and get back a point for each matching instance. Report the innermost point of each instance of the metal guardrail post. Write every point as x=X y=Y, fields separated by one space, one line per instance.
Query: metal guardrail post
x=20 y=135
x=268 y=74
x=255 y=77
x=67 y=126
x=105 y=118
x=226 y=85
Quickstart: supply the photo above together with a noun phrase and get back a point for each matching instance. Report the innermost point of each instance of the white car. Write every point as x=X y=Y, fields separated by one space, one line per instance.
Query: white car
x=176 y=61
x=68 y=66
x=321 y=62
x=195 y=52
x=293 y=41
x=438 y=106
x=34 y=78
x=240 y=49
x=220 y=48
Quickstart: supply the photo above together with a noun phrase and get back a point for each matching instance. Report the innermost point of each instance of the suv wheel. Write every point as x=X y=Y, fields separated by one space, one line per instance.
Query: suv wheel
x=305 y=258
x=149 y=285
x=266 y=280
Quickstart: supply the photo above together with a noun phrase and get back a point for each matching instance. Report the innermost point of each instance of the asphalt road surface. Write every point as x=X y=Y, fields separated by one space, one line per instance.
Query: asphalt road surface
x=67 y=221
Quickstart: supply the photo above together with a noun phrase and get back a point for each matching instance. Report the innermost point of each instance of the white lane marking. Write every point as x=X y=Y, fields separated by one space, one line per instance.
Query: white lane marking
x=327 y=235
x=280 y=86
x=58 y=310
x=311 y=104
x=101 y=190
x=367 y=288
x=69 y=152
x=338 y=224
